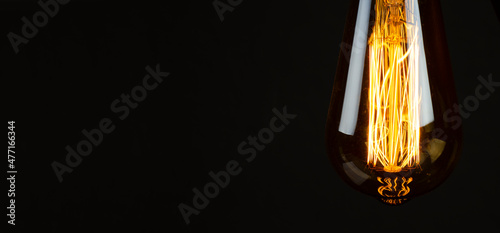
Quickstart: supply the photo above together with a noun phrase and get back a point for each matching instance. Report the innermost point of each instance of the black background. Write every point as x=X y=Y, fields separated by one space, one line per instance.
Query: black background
x=225 y=79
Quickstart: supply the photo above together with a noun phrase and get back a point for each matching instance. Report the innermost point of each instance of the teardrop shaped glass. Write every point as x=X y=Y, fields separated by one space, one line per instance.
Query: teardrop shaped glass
x=388 y=133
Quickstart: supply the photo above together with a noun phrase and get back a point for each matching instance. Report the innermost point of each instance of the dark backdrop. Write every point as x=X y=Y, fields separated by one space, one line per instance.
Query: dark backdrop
x=225 y=79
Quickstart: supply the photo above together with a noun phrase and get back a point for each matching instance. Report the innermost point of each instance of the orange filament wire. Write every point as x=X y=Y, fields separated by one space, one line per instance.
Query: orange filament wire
x=393 y=134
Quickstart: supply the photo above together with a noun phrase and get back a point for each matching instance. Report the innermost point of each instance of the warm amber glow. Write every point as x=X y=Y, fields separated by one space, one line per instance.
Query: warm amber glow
x=393 y=137
x=398 y=189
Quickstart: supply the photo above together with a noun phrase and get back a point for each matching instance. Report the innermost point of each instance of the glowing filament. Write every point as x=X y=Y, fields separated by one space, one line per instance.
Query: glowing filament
x=393 y=137
x=398 y=189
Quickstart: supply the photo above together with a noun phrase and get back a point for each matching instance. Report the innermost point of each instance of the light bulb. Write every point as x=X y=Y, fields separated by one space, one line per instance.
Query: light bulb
x=386 y=132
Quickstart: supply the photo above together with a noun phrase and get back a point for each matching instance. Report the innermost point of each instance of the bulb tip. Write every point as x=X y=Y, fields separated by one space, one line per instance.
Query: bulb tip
x=394 y=201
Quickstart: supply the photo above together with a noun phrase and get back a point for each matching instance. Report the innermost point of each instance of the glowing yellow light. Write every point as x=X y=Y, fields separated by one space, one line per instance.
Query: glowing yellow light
x=393 y=137
x=398 y=189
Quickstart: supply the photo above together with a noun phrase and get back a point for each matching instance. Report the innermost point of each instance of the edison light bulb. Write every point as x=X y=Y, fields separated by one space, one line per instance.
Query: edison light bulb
x=386 y=131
